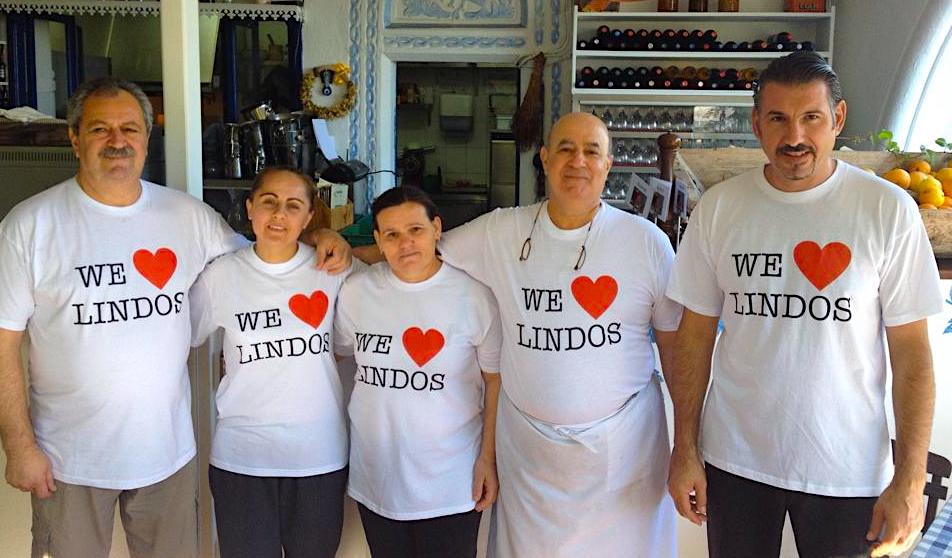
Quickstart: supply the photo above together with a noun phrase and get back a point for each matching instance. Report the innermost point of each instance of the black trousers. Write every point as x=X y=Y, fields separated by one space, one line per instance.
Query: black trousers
x=448 y=536
x=745 y=520
x=257 y=517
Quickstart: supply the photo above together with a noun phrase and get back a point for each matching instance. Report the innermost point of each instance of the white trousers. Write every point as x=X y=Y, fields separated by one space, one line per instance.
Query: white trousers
x=592 y=490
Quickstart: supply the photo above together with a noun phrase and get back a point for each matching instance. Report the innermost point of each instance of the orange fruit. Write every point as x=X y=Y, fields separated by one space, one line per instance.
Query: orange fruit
x=948 y=203
x=920 y=165
x=943 y=174
x=898 y=176
x=947 y=187
x=915 y=177
x=934 y=198
x=926 y=206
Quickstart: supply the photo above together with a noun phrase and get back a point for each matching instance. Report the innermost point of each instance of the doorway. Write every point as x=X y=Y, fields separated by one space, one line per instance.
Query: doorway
x=453 y=136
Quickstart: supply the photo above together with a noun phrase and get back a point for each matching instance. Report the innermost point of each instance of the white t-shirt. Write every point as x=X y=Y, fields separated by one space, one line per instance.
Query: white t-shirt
x=416 y=409
x=102 y=292
x=280 y=405
x=804 y=283
x=576 y=343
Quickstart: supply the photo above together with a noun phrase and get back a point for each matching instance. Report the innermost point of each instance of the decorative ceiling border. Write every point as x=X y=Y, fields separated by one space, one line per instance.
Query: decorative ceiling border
x=150 y=9
x=253 y=11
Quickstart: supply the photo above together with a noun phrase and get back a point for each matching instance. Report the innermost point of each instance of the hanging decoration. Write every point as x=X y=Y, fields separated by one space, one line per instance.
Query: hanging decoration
x=333 y=103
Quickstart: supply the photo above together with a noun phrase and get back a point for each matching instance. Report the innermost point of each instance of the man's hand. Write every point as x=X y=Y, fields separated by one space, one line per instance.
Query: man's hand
x=687 y=485
x=485 y=483
x=29 y=470
x=333 y=252
x=898 y=515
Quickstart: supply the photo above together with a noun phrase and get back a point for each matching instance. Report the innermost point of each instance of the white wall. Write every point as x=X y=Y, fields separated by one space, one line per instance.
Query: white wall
x=869 y=55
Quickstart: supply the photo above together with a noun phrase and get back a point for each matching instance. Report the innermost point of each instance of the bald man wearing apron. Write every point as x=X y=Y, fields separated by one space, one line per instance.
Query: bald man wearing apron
x=582 y=442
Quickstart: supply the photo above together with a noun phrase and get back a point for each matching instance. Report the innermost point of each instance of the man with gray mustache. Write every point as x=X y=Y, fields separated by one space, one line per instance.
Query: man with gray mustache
x=97 y=269
x=812 y=265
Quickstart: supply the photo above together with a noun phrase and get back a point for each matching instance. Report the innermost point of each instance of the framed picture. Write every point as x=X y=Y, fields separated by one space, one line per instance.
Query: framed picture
x=455 y=13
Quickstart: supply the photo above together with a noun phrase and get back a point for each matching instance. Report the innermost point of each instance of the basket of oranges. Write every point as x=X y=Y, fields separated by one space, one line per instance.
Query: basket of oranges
x=931 y=187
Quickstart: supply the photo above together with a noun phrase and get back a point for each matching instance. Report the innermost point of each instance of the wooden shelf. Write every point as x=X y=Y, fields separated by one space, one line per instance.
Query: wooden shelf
x=712 y=17
x=682 y=55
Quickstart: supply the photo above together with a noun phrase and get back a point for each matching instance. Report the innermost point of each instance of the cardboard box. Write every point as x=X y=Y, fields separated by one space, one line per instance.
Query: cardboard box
x=327 y=218
x=804 y=5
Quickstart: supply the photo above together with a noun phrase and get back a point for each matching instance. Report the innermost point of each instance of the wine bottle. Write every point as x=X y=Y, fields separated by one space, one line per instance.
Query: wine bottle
x=710 y=35
x=758 y=45
x=703 y=73
x=682 y=83
x=743 y=46
x=597 y=43
x=747 y=74
x=807 y=45
x=603 y=31
x=775 y=47
x=688 y=72
x=616 y=72
x=729 y=46
x=631 y=39
x=656 y=72
x=672 y=72
x=582 y=45
x=588 y=72
x=781 y=37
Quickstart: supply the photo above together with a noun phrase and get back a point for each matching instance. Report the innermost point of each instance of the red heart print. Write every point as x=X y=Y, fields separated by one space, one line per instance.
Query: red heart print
x=821 y=266
x=156 y=268
x=309 y=309
x=422 y=346
x=595 y=296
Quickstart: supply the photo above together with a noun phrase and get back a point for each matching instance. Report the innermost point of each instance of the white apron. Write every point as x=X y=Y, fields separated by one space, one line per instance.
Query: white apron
x=597 y=489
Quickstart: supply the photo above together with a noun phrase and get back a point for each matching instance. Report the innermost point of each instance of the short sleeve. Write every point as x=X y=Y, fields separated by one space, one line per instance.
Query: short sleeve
x=201 y=309
x=489 y=345
x=16 y=286
x=466 y=247
x=909 y=287
x=343 y=326
x=219 y=237
x=665 y=313
x=693 y=280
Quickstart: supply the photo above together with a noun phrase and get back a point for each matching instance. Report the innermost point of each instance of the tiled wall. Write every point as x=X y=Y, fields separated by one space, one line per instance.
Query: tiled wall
x=461 y=157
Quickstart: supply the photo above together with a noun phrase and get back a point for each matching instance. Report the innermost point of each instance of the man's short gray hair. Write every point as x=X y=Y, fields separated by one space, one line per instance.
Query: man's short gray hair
x=110 y=87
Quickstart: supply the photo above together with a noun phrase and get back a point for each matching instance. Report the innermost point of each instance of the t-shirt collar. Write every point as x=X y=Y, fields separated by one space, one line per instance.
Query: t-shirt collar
x=85 y=199
x=549 y=228
x=805 y=196
x=303 y=255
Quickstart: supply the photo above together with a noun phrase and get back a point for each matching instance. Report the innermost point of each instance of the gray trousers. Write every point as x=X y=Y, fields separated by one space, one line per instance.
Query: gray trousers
x=160 y=520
